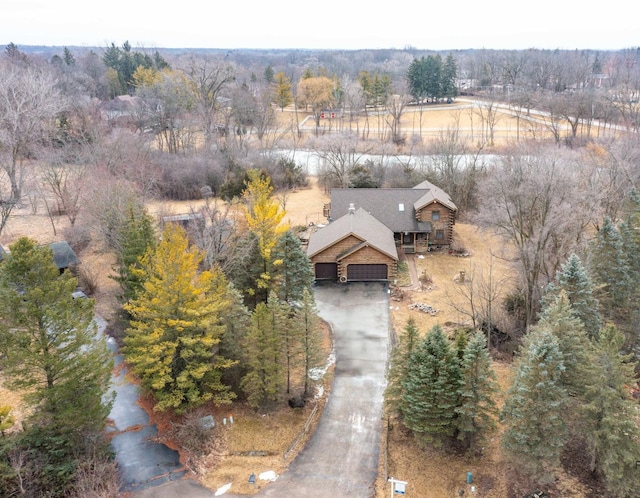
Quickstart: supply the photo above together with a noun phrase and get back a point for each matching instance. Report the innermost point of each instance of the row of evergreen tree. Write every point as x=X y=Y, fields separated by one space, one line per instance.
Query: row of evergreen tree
x=572 y=376
x=197 y=334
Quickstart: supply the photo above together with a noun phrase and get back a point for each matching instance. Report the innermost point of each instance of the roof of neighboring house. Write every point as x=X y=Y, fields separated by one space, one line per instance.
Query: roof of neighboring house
x=361 y=225
x=63 y=255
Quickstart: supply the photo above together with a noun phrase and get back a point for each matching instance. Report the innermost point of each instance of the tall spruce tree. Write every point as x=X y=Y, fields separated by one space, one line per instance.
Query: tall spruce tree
x=559 y=319
x=533 y=412
x=611 y=417
x=292 y=271
x=246 y=271
x=172 y=343
x=430 y=389
x=477 y=410
x=236 y=321
x=263 y=356
x=399 y=363
x=307 y=322
x=136 y=236
x=609 y=268
x=50 y=350
x=572 y=278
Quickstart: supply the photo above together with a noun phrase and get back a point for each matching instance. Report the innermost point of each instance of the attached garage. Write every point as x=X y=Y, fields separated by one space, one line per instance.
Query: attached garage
x=353 y=248
x=367 y=272
x=326 y=271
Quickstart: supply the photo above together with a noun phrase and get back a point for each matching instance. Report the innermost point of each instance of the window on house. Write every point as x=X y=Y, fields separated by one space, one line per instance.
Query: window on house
x=439 y=234
x=435 y=215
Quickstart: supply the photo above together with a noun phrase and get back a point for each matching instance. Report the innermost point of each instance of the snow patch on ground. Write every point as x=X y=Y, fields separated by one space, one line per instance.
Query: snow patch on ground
x=222 y=490
x=319 y=372
x=269 y=475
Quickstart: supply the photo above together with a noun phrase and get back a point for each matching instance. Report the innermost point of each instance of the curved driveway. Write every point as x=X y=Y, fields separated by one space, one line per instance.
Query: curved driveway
x=341 y=458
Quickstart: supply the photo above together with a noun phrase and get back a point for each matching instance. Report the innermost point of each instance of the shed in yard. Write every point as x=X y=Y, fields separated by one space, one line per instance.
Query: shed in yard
x=63 y=255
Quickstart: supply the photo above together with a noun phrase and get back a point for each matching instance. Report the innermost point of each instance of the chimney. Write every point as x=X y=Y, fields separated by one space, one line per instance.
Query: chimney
x=352 y=208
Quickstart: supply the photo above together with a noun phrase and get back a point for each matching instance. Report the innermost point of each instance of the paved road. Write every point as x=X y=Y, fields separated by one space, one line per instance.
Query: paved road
x=341 y=458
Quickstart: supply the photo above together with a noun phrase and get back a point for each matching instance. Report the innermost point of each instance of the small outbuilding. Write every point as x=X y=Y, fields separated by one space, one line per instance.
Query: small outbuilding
x=63 y=255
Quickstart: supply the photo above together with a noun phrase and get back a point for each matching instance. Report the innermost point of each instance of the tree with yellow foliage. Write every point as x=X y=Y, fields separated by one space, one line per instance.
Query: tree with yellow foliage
x=6 y=419
x=318 y=93
x=282 y=92
x=172 y=343
x=264 y=219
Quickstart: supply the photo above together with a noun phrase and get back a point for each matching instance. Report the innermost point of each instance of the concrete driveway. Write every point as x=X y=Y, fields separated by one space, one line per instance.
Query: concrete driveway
x=341 y=458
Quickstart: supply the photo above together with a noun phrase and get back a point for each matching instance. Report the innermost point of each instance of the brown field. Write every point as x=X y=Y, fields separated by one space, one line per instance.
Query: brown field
x=435 y=120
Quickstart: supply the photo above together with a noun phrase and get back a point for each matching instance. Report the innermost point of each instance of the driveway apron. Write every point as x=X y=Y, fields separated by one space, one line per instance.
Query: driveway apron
x=341 y=458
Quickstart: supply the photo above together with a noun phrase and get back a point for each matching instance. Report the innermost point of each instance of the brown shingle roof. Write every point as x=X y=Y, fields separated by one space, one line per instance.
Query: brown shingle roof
x=394 y=207
x=361 y=225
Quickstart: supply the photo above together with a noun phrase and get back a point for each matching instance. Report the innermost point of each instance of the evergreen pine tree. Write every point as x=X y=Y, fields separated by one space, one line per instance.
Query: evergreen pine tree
x=573 y=279
x=609 y=268
x=246 y=272
x=631 y=236
x=534 y=408
x=263 y=357
x=430 y=388
x=136 y=236
x=310 y=334
x=477 y=409
x=292 y=271
x=611 y=417
x=236 y=321
x=399 y=362
x=460 y=343
x=559 y=319
x=50 y=348
x=172 y=343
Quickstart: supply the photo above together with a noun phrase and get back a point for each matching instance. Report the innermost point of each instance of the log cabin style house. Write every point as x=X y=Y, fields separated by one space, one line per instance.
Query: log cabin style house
x=369 y=227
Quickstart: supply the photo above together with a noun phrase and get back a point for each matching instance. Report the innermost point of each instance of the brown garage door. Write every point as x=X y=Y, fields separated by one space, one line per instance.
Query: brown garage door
x=326 y=271
x=367 y=272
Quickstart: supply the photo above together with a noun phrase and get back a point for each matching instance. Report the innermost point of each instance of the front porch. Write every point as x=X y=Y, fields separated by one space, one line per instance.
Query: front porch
x=412 y=242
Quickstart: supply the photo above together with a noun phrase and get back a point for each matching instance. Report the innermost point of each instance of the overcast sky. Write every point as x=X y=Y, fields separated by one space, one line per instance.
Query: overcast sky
x=324 y=24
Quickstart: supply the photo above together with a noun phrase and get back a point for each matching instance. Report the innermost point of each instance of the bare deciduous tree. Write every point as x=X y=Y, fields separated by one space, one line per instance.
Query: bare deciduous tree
x=65 y=183
x=488 y=111
x=218 y=233
x=208 y=80
x=339 y=154
x=529 y=198
x=395 y=107
x=29 y=100
x=482 y=291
